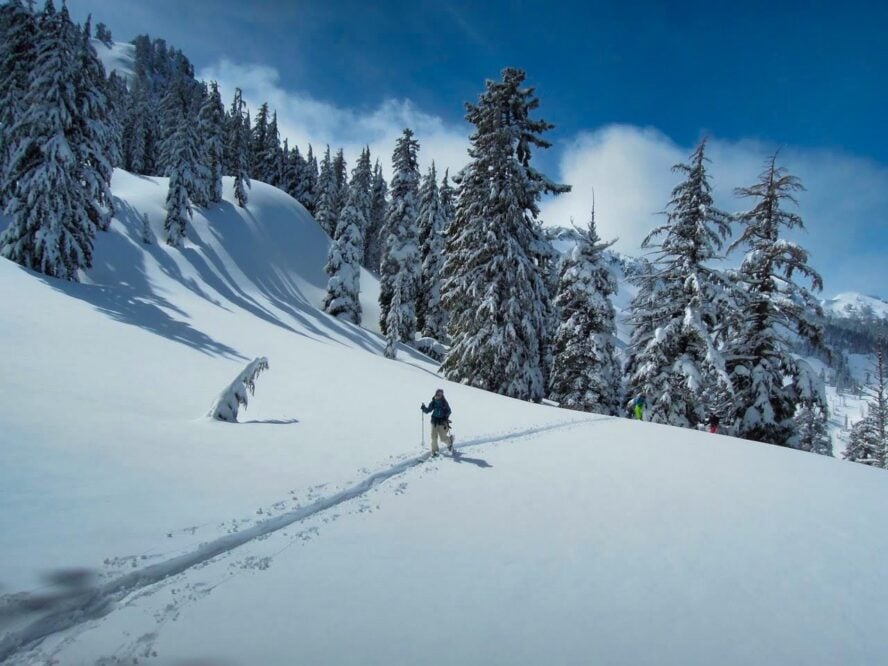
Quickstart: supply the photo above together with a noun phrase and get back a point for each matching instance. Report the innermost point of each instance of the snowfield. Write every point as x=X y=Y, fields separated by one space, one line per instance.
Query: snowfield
x=316 y=530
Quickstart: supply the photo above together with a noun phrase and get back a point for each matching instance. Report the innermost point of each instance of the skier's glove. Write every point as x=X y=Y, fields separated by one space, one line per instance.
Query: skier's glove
x=423 y=407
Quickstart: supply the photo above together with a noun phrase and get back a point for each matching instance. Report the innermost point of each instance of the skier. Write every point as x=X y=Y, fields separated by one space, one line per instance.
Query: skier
x=636 y=407
x=713 y=423
x=440 y=420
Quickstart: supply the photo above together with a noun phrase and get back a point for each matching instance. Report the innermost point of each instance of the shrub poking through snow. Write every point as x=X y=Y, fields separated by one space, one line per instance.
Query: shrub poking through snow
x=230 y=400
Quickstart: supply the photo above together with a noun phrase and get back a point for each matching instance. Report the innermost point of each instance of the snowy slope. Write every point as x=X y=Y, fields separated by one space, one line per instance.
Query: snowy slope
x=118 y=57
x=315 y=531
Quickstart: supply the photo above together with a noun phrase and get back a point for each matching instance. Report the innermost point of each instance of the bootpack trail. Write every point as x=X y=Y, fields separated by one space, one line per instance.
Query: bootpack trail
x=101 y=601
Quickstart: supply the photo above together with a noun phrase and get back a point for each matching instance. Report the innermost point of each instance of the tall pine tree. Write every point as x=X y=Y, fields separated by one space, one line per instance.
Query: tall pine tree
x=183 y=156
x=237 y=147
x=493 y=287
x=53 y=202
x=777 y=313
x=680 y=369
x=373 y=239
x=431 y=319
x=400 y=258
x=344 y=262
x=585 y=374
x=98 y=143
x=18 y=36
x=211 y=129
x=326 y=211
x=868 y=442
x=307 y=194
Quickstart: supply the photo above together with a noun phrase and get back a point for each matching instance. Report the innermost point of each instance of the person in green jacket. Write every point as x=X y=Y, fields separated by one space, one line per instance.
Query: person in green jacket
x=636 y=407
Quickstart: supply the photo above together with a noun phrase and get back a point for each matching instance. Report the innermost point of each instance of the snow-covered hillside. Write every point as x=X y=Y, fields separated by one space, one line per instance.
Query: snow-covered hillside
x=852 y=302
x=317 y=531
x=116 y=57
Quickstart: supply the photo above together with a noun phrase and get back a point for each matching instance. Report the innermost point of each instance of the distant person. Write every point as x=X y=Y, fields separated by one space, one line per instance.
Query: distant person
x=636 y=407
x=714 y=420
x=440 y=410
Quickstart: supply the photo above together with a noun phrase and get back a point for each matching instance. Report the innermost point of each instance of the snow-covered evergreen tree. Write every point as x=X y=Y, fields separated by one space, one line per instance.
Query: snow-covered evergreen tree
x=182 y=140
x=267 y=147
x=138 y=134
x=51 y=209
x=211 y=129
x=344 y=261
x=679 y=369
x=183 y=180
x=400 y=258
x=326 y=211
x=97 y=149
x=448 y=200
x=776 y=312
x=393 y=322
x=493 y=287
x=238 y=147
x=118 y=103
x=340 y=175
x=585 y=373
x=308 y=185
x=259 y=143
x=431 y=318
x=103 y=34
x=868 y=442
x=359 y=187
x=235 y=395
x=643 y=318
x=373 y=238
x=18 y=36
x=292 y=168
x=811 y=433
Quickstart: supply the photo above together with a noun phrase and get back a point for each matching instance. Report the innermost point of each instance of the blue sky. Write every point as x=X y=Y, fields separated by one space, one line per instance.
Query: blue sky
x=630 y=87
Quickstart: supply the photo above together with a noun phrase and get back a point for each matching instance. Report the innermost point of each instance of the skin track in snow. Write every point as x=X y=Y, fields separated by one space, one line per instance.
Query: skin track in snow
x=101 y=601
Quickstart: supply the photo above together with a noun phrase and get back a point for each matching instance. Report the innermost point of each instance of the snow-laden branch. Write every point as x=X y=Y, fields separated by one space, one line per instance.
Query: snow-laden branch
x=229 y=401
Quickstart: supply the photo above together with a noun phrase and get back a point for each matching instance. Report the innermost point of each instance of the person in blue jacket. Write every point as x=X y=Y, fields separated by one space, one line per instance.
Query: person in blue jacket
x=440 y=411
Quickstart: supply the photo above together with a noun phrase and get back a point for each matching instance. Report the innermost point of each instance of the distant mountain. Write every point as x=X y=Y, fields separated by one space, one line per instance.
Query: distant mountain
x=851 y=303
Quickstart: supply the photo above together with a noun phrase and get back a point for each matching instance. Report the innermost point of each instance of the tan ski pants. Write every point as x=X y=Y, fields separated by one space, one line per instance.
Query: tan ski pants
x=441 y=431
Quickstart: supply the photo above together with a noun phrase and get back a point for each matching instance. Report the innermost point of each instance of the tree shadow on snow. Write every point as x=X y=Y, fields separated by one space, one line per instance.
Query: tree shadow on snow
x=132 y=299
x=231 y=261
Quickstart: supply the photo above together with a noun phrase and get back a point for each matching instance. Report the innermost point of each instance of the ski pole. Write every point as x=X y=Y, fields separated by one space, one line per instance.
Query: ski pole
x=422 y=425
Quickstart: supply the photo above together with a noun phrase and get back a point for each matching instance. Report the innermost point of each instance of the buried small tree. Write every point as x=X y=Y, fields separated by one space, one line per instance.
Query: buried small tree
x=230 y=400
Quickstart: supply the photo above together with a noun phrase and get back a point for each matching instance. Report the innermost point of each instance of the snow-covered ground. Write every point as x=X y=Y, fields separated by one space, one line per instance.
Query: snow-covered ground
x=316 y=530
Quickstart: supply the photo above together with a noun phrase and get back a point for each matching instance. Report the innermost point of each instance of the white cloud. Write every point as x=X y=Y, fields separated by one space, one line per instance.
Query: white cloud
x=628 y=168
x=844 y=207
x=305 y=120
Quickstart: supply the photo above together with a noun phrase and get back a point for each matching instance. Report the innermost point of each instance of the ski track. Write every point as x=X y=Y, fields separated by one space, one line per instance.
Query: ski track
x=101 y=601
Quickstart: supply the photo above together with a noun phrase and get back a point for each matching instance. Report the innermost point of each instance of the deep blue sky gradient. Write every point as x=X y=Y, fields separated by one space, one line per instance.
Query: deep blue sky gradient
x=810 y=74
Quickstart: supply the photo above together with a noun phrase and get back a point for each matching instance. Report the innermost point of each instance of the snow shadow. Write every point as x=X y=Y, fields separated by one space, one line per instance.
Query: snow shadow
x=270 y=422
x=261 y=267
x=131 y=302
x=477 y=462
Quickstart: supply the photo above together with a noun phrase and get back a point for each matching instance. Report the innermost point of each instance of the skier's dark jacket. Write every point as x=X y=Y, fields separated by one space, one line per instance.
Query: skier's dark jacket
x=440 y=411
